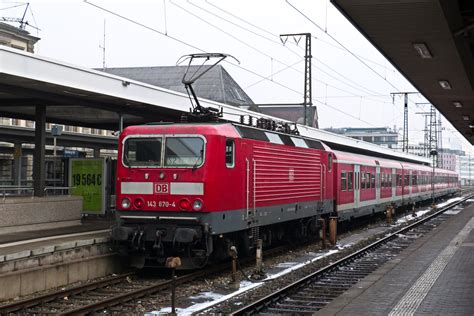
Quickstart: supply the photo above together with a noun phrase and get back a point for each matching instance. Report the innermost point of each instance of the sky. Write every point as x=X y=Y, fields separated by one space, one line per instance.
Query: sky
x=351 y=81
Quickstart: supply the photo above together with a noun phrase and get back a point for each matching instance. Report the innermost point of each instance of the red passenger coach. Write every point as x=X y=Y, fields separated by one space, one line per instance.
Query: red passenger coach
x=367 y=185
x=192 y=190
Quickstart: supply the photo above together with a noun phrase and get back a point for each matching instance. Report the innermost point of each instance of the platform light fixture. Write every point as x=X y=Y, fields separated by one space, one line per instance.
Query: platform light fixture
x=471 y=125
x=457 y=104
x=466 y=117
x=422 y=50
x=445 y=84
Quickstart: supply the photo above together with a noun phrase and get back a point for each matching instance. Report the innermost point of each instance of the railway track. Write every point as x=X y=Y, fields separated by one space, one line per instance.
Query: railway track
x=311 y=293
x=116 y=293
x=111 y=294
x=98 y=295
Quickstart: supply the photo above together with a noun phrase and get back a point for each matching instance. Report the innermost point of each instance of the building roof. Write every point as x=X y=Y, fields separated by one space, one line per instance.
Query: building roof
x=375 y=131
x=292 y=113
x=18 y=32
x=216 y=85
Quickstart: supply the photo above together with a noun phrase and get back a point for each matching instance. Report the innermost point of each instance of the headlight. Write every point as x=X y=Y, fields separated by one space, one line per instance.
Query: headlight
x=197 y=205
x=125 y=203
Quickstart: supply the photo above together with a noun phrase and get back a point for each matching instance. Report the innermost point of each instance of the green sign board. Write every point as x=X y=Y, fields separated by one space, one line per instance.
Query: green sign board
x=87 y=176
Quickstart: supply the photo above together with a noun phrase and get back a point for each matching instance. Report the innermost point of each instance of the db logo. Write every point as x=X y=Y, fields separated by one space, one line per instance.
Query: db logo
x=161 y=188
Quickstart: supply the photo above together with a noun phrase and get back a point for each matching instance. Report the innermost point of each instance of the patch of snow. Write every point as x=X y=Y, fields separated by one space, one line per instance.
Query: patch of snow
x=408 y=217
x=216 y=298
x=449 y=201
x=453 y=211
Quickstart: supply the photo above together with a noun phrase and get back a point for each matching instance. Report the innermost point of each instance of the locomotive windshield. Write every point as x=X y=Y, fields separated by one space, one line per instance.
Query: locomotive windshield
x=184 y=151
x=142 y=152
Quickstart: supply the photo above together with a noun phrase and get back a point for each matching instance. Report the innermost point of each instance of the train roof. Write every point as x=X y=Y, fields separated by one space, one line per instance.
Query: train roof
x=222 y=129
x=346 y=157
x=343 y=150
x=227 y=130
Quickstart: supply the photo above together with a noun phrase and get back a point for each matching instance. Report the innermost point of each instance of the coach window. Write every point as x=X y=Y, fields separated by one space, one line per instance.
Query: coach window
x=329 y=163
x=362 y=180
x=372 y=181
x=343 y=181
x=229 y=153
x=350 y=183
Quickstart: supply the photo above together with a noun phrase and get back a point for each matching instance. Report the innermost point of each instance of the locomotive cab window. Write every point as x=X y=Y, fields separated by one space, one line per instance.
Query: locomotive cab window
x=142 y=152
x=184 y=151
x=229 y=153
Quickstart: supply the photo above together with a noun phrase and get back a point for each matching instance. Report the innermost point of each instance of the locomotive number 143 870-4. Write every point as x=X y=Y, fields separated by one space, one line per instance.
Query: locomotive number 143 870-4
x=161 y=204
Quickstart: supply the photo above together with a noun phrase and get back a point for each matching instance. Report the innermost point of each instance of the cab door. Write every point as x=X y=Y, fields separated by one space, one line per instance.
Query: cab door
x=249 y=184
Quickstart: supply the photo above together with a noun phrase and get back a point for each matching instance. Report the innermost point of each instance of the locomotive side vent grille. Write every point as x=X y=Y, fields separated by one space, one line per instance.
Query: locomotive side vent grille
x=283 y=175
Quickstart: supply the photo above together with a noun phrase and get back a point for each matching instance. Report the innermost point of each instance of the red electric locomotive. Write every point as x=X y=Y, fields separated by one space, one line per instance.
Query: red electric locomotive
x=192 y=190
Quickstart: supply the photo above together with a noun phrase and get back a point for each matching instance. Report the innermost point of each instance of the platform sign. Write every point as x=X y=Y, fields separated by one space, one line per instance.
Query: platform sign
x=88 y=177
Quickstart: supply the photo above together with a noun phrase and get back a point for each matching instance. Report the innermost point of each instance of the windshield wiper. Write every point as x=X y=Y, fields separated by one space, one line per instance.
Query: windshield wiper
x=199 y=159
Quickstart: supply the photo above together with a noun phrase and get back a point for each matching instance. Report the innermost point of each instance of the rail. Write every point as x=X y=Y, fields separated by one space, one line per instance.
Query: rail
x=257 y=306
x=115 y=298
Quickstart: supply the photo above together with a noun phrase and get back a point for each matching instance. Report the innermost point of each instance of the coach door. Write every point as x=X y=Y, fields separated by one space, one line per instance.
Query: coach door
x=394 y=183
x=356 y=185
x=377 y=181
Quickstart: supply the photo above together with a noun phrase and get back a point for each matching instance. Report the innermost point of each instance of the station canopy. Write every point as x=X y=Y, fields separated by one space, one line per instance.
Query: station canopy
x=80 y=96
x=431 y=42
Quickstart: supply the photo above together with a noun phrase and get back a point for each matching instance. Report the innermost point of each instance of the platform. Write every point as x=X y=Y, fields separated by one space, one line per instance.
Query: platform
x=24 y=240
x=433 y=276
x=32 y=261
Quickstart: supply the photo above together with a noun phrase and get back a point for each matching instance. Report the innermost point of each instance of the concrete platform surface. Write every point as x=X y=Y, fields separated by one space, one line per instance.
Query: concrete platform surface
x=29 y=240
x=433 y=276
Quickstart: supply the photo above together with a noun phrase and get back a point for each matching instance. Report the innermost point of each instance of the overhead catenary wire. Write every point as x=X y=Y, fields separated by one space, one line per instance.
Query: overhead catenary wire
x=353 y=83
x=342 y=45
x=13 y=6
x=270 y=33
x=234 y=37
x=238 y=66
x=339 y=43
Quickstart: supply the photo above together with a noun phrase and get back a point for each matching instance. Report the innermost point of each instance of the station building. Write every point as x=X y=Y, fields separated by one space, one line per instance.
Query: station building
x=382 y=136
